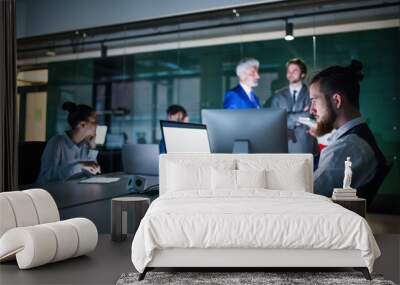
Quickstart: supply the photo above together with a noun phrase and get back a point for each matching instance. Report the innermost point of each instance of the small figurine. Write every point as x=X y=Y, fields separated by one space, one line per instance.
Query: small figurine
x=348 y=173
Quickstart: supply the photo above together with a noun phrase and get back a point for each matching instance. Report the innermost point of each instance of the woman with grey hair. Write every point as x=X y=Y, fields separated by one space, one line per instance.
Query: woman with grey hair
x=242 y=96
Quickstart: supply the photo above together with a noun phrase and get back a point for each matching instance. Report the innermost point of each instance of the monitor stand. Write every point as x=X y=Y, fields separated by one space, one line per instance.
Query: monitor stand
x=241 y=146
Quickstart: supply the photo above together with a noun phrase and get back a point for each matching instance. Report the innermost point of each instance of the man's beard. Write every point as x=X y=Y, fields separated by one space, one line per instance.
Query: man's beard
x=296 y=81
x=325 y=126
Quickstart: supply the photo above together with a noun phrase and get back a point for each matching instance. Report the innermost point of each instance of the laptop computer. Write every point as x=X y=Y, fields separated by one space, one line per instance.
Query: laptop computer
x=185 y=137
x=101 y=132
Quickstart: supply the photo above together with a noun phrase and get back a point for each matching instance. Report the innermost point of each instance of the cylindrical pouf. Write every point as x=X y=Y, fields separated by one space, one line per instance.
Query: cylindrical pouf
x=120 y=207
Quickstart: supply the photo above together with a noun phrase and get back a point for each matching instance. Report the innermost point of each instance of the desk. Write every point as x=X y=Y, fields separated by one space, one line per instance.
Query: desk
x=93 y=201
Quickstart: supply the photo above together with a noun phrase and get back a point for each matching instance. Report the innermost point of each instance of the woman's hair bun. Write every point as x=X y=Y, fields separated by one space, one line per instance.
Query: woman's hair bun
x=69 y=106
x=356 y=67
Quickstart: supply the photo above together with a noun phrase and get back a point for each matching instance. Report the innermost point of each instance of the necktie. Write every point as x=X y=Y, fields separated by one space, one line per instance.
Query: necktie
x=294 y=98
x=252 y=97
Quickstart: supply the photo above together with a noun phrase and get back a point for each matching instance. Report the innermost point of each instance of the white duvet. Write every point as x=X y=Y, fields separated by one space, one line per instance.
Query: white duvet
x=250 y=219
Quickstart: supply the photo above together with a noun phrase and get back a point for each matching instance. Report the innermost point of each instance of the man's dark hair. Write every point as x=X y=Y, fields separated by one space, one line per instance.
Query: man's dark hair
x=174 y=109
x=299 y=63
x=77 y=113
x=344 y=80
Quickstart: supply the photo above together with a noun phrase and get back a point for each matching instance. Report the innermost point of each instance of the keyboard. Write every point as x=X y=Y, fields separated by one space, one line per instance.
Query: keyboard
x=100 y=180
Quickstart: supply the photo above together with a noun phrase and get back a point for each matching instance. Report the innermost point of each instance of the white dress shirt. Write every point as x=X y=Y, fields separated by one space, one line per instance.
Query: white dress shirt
x=295 y=87
x=248 y=90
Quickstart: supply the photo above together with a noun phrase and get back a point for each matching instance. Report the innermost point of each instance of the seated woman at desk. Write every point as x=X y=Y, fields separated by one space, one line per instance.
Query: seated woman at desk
x=73 y=152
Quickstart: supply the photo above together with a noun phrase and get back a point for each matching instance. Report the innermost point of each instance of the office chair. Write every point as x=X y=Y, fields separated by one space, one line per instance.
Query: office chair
x=29 y=161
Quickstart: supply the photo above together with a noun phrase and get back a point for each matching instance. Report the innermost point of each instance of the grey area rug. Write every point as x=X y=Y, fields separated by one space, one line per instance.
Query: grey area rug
x=228 y=278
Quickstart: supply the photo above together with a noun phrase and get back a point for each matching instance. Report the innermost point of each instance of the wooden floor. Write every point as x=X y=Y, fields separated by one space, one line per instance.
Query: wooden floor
x=111 y=259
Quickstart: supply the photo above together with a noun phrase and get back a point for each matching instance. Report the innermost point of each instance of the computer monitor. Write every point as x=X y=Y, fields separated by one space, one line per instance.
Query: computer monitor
x=185 y=137
x=140 y=159
x=247 y=130
x=115 y=141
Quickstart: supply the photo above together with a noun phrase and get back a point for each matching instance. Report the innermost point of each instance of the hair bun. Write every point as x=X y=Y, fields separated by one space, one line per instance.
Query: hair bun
x=356 y=67
x=69 y=106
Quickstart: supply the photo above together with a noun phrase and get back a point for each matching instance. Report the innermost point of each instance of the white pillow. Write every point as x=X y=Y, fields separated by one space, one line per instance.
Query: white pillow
x=251 y=178
x=195 y=174
x=283 y=174
x=183 y=177
x=223 y=179
x=292 y=179
x=227 y=179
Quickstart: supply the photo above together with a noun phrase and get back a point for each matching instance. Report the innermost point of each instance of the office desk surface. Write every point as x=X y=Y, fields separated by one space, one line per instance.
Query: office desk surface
x=72 y=193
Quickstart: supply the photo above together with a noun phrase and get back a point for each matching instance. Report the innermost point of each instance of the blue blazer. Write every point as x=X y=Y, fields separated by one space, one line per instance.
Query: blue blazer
x=237 y=98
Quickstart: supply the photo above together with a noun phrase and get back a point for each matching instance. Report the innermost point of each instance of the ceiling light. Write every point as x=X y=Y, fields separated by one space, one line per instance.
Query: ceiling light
x=51 y=53
x=103 y=50
x=289 y=31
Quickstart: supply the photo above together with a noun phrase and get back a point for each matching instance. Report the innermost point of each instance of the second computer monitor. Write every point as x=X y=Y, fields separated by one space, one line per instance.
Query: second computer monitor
x=262 y=130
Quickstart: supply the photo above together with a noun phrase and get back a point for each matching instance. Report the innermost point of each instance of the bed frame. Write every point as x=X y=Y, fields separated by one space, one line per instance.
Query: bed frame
x=245 y=258
x=242 y=259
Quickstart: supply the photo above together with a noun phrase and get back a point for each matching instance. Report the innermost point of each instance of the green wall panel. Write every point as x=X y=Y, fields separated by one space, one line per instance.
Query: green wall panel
x=145 y=84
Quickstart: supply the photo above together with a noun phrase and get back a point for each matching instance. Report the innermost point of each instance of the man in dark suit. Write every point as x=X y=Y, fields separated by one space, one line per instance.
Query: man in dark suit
x=296 y=101
x=242 y=96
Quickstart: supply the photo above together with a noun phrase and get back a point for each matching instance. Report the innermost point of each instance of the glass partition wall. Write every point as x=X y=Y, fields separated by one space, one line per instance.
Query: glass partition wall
x=132 y=92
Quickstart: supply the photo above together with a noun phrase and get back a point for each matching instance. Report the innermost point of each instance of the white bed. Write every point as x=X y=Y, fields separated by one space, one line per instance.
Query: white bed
x=218 y=210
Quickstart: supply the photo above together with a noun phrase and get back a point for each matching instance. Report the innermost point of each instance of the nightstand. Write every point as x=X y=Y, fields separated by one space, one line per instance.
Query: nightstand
x=120 y=207
x=358 y=205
